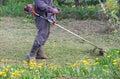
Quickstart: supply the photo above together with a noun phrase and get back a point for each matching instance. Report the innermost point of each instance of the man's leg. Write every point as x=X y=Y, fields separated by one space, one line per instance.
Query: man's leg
x=31 y=55
x=44 y=34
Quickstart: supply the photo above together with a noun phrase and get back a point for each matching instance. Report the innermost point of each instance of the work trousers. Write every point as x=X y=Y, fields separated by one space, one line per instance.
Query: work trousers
x=43 y=27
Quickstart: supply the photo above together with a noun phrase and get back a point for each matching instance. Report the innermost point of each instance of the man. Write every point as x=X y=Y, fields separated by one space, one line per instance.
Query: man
x=43 y=8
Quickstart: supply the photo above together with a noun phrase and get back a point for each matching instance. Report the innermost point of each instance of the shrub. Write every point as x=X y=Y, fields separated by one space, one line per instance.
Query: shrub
x=13 y=7
x=81 y=12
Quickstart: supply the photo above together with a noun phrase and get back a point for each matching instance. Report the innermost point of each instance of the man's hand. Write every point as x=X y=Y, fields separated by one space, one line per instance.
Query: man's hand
x=55 y=11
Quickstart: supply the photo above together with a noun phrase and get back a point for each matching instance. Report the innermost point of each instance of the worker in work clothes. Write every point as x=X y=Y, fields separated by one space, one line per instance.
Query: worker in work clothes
x=44 y=8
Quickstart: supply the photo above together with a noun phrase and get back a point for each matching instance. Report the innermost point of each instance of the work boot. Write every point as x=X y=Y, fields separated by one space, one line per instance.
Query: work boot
x=40 y=54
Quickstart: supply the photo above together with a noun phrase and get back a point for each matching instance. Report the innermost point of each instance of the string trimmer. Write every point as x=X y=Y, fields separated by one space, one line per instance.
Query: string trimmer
x=29 y=9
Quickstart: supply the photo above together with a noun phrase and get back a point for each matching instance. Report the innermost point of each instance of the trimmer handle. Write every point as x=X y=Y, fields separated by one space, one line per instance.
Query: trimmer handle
x=52 y=19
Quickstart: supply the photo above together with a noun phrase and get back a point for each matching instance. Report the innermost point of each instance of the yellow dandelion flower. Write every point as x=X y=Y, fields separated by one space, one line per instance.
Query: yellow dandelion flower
x=34 y=78
x=85 y=62
x=16 y=71
x=8 y=66
x=82 y=7
x=67 y=63
x=114 y=60
x=5 y=75
x=25 y=62
x=119 y=69
x=2 y=72
x=90 y=7
x=2 y=60
x=73 y=6
x=75 y=64
x=12 y=76
x=6 y=69
x=97 y=58
x=52 y=67
x=106 y=71
x=12 y=73
x=115 y=63
x=117 y=51
x=106 y=65
x=108 y=56
x=18 y=75
x=32 y=62
x=105 y=51
x=37 y=72
x=31 y=68
x=22 y=71
x=40 y=65
x=77 y=61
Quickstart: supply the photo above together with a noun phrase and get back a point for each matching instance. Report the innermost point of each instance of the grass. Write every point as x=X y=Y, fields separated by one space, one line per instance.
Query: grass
x=17 y=35
x=105 y=67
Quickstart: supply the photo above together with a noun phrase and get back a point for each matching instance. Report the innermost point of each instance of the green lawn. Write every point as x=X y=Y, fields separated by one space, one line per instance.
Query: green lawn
x=71 y=55
x=17 y=36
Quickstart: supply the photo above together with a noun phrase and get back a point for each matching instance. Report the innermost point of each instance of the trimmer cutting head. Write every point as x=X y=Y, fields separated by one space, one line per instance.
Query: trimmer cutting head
x=101 y=51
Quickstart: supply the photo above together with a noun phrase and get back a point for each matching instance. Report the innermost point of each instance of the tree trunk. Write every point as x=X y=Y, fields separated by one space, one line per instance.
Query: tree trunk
x=76 y=3
x=1 y=2
x=60 y=2
x=119 y=2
